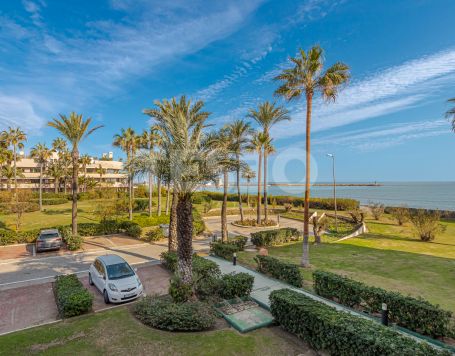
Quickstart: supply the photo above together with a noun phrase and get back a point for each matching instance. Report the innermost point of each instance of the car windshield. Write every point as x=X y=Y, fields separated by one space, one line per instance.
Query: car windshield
x=119 y=271
x=49 y=236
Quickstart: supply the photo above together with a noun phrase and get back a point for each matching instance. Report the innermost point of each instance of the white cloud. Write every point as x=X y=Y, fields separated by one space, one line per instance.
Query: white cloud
x=16 y=111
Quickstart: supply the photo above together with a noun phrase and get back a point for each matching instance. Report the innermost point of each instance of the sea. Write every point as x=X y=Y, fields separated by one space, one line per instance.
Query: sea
x=427 y=195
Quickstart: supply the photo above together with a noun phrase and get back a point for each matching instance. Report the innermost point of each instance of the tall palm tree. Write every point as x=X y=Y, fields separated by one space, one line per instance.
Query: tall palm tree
x=75 y=129
x=41 y=153
x=248 y=174
x=65 y=162
x=84 y=161
x=450 y=114
x=101 y=171
x=267 y=115
x=56 y=171
x=14 y=137
x=6 y=157
x=307 y=78
x=192 y=162
x=259 y=143
x=148 y=140
x=239 y=133
x=8 y=173
x=127 y=141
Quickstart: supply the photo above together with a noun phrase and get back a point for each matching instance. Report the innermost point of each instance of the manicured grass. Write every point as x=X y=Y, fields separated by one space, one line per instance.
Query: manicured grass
x=117 y=332
x=389 y=256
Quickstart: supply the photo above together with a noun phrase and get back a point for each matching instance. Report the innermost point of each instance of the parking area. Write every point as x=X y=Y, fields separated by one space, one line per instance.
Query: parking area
x=35 y=304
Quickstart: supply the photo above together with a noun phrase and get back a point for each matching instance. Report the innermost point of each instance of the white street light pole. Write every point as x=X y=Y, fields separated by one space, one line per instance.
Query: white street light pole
x=334 y=188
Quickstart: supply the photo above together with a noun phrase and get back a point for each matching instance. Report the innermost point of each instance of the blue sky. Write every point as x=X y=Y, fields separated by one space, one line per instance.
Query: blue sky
x=111 y=59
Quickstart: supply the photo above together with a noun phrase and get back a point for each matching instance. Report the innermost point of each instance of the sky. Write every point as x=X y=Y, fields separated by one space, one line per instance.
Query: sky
x=109 y=60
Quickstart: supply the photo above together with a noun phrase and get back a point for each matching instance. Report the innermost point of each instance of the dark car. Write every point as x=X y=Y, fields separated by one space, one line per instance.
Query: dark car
x=48 y=240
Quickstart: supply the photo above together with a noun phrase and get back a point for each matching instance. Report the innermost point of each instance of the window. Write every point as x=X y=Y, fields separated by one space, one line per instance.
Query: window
x=119 y=270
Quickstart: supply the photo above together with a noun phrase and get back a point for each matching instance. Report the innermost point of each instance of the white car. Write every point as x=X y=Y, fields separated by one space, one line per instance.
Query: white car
x=115 y=278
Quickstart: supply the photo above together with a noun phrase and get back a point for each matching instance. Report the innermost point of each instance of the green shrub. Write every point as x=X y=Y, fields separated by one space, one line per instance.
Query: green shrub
x=236 y=285
x=154 y=220
x=140 y=204
x=154 y=234
x=223 y=250
x=239 y=241
x=160 y=312
x=202 y=267
x=198 y=223
x=89 y=229
x=74 y=242
x=134 y=231
x=179 y=291
x=274 y=237
x=108 y=227
x=415 y=314
x=340 y=333
x=284 y=271
x=209 y=288
x=52 y=201
x=7 y=237
x=71 y=297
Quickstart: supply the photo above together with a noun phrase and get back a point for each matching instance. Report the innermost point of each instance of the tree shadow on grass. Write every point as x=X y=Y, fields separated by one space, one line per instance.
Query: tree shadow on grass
x=373 y=236
x=66 y=211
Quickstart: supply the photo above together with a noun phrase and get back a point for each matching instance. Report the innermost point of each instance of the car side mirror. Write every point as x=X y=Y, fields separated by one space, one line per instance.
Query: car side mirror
x=135 y=269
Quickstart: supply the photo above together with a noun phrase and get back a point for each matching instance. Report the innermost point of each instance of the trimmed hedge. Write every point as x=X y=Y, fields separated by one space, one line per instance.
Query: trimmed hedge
x=340 y=333
x=202 y=267
x=239 y=241
x=162 y=313
x=236 y=285
x=223 y=250
x=284 y=271
x=71 y=297
x=415 y=314
x=274 y=237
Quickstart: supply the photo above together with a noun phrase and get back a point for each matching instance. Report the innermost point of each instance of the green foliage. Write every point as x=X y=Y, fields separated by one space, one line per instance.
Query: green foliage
x=209 y=288
x=74 y=242
x=162 y=313
x=400 y=214
x=274 y=237
x=202 y=267
x=236 y=285
x=50 y=201
x=134 y=231
x=284 y=271
x=140 y=204
x=154 y=220
x=8 y=237
x=415 y=314
x=340 y=333
x=179 y=292
x=71 y=297
x=239 y=241
x=223 y=250
x=426 y=224
x=154 y=234
x=198 y=223
x=377 y=210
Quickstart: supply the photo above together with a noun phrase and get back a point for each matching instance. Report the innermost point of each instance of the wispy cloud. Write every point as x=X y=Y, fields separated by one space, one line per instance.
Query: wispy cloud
x=384 y=92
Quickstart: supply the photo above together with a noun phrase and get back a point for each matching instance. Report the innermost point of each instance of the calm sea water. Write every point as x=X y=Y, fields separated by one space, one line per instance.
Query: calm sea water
x=429 y=195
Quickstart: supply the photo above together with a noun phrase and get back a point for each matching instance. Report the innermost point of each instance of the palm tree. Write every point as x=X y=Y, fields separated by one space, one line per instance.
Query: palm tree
x=450 y=114
x=248 y=174
x=268 y=115
x=101 y=171
x=41 y=154
x=148 y=140
x=55 y=170
x=259 y=142
x=191 y=163
x=8 y=173
x=306 y=77
x=14 y=137
x=127 y=141
x=75 y=129
x=84 y=161
x=239 y=133
x=6 y=156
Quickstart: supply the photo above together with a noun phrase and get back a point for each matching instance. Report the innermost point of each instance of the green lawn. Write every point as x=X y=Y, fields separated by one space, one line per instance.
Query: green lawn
x=389 y=256
x=117 y=332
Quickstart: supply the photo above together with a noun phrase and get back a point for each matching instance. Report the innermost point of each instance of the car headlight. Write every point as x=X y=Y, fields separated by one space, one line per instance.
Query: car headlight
x=112 y=287
x=138 y=282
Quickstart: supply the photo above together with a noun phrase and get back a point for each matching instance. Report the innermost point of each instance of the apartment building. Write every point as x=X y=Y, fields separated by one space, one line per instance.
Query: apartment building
x=112 y=174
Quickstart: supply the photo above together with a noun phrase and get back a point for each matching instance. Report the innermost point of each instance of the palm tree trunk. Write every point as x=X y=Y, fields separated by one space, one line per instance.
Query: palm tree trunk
x=258 y=218
x=56 y=182
x=130 y=196
x=184 y=238
x=306 y=215
x=150 y=193
x=75 y=156
x=266 y=214
x=172 y=238
x=224 y=231
x=239 y=196
x=15 y=173
x=168 y=197
x=85 y=178
x=41 y=187
x=159 y=196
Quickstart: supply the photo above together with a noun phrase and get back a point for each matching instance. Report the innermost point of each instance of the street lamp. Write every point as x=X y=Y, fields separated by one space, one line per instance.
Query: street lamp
x=334 y=189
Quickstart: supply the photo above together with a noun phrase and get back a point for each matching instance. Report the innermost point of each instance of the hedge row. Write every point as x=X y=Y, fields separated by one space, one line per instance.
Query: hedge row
x=274 y=237
x=8 y=237
x=284 y=271
x=202 y=267
x=236 y=285
x=340 y=333
x=71 y=297
x=224 y=250
x=415 y=314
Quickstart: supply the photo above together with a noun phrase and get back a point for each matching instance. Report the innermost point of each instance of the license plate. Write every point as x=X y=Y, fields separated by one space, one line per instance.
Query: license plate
x=127 y=295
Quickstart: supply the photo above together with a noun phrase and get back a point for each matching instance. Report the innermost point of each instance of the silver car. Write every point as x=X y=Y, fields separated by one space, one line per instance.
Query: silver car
x=49 y=239
x=115 y=278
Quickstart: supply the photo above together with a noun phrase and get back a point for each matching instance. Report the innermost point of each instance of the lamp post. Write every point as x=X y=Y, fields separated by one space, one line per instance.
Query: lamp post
x=334 y=189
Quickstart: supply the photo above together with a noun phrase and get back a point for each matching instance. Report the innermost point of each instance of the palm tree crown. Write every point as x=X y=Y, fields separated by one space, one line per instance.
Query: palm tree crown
x=269 y=114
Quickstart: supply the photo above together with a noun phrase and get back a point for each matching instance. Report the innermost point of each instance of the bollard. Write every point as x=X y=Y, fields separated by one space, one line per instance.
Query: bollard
x=278 y=219
x=234 y=259
x=384 y=315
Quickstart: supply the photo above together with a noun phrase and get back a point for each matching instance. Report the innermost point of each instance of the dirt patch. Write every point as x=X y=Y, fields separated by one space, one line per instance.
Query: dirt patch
x=37 y=348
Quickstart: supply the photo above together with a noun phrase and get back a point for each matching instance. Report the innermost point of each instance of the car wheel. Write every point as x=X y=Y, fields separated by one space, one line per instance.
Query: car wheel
x=90 y=281
x=106 y=297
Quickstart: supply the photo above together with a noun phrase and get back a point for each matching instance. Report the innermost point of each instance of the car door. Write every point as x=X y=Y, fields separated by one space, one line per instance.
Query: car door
x=97 y=277
x=102 y=276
